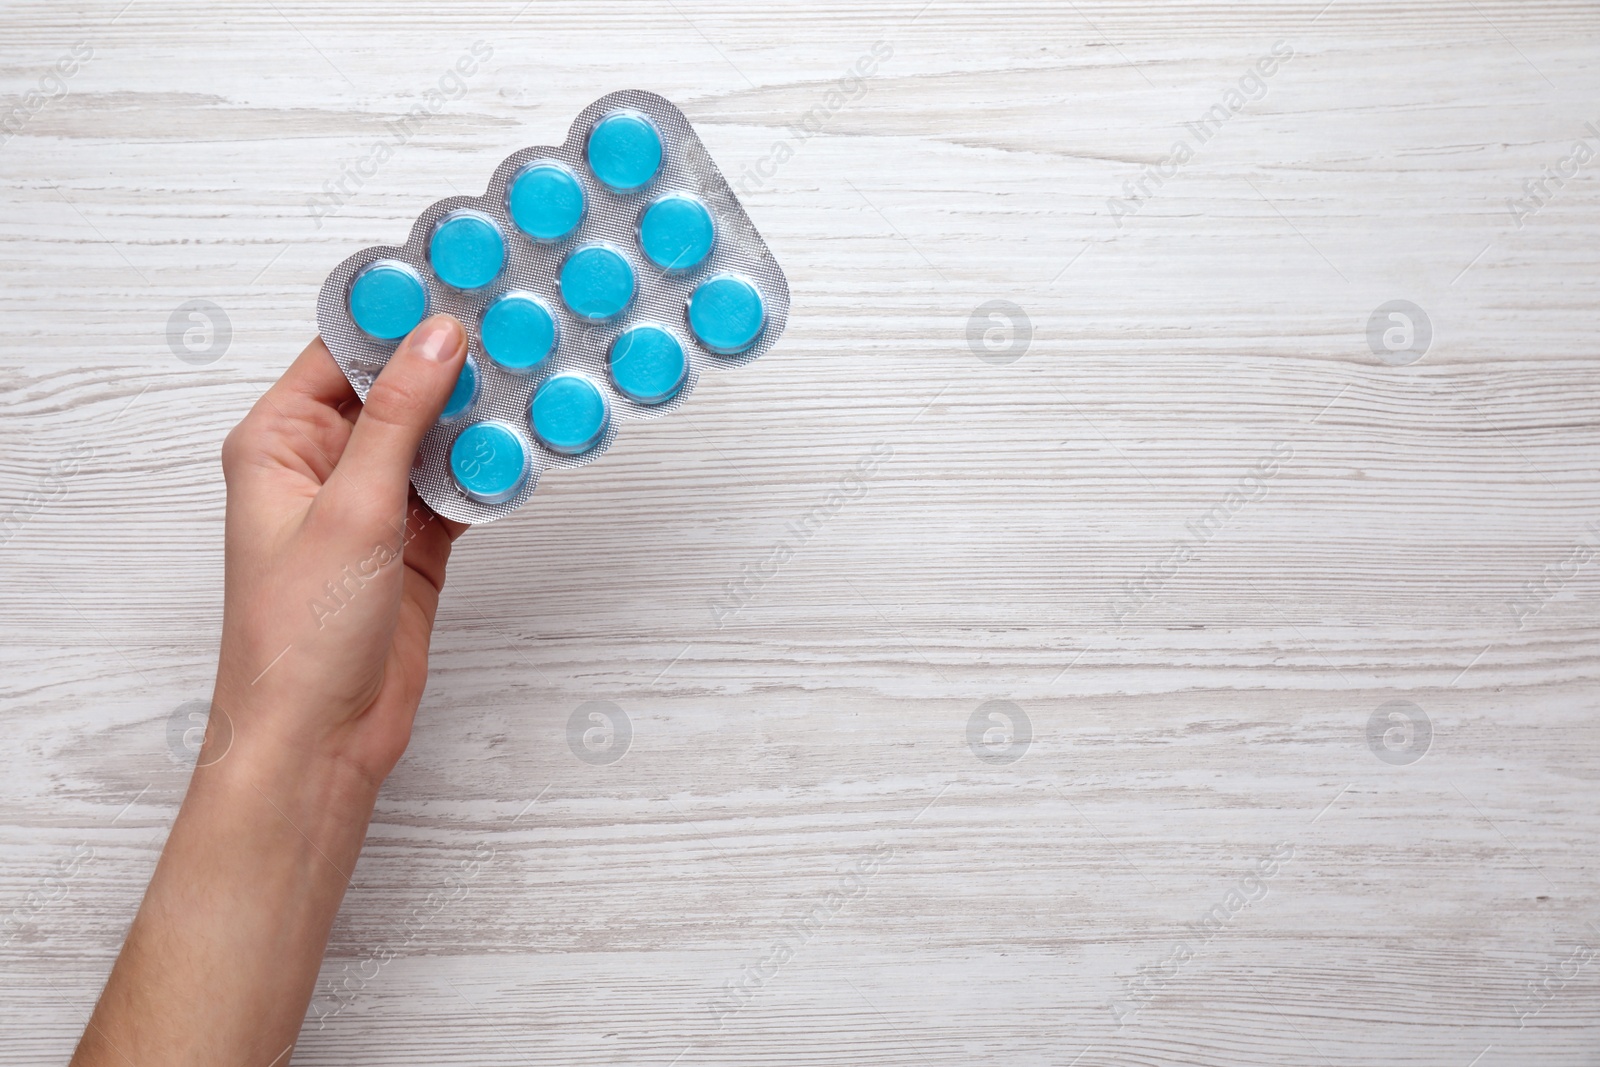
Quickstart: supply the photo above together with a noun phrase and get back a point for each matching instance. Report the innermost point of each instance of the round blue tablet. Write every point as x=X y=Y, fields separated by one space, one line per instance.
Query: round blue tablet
x=546 y=201
x=726 y=313
x=489 y=462
x=647 y=363
x=625 y=151
x=596 y=282
x=466 y=250
x=465 y=392
x=569 y=413
x=676 y=232
x=388 y=299
x=518 y=332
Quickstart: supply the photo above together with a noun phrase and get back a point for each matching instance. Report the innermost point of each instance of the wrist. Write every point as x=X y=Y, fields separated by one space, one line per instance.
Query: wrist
x=300 y=722
x=323 y=794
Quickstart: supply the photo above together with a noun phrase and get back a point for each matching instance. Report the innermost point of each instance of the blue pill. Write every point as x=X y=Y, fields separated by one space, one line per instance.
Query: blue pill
x=388 y=299
x=518 y=332
x=726 y=313
x=647 y=364
x=546 y=201
x=569 y=414
x=465 y=392
x=677 y=232
x=489 y=462
x=596 y=282
x=625 y=151
x=466 y=250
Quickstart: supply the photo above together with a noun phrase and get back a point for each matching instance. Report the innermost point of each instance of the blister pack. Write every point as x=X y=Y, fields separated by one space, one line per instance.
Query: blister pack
x=596 y=279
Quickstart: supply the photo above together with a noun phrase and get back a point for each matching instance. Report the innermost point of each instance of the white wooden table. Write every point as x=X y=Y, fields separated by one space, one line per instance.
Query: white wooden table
x=1200 y=855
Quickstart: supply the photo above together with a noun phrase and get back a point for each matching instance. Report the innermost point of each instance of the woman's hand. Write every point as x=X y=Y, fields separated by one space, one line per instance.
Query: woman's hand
x=334 y=566
x=332 y=579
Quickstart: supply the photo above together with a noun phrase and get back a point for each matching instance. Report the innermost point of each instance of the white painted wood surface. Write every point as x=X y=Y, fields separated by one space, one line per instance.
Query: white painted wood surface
x=1425 y=907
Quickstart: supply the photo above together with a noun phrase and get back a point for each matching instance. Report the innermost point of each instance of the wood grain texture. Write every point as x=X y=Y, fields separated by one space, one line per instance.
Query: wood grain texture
x=1423 y=910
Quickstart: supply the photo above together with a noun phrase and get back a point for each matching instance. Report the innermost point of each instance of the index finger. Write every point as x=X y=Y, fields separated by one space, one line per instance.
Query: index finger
x=314 y=376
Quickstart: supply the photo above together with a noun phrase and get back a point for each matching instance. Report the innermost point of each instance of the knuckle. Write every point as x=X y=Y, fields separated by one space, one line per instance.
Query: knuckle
x=394 y=400
x=236 y=447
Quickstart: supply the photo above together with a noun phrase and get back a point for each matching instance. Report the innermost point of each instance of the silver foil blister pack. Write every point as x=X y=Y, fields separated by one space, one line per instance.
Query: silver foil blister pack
x=617 y=284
